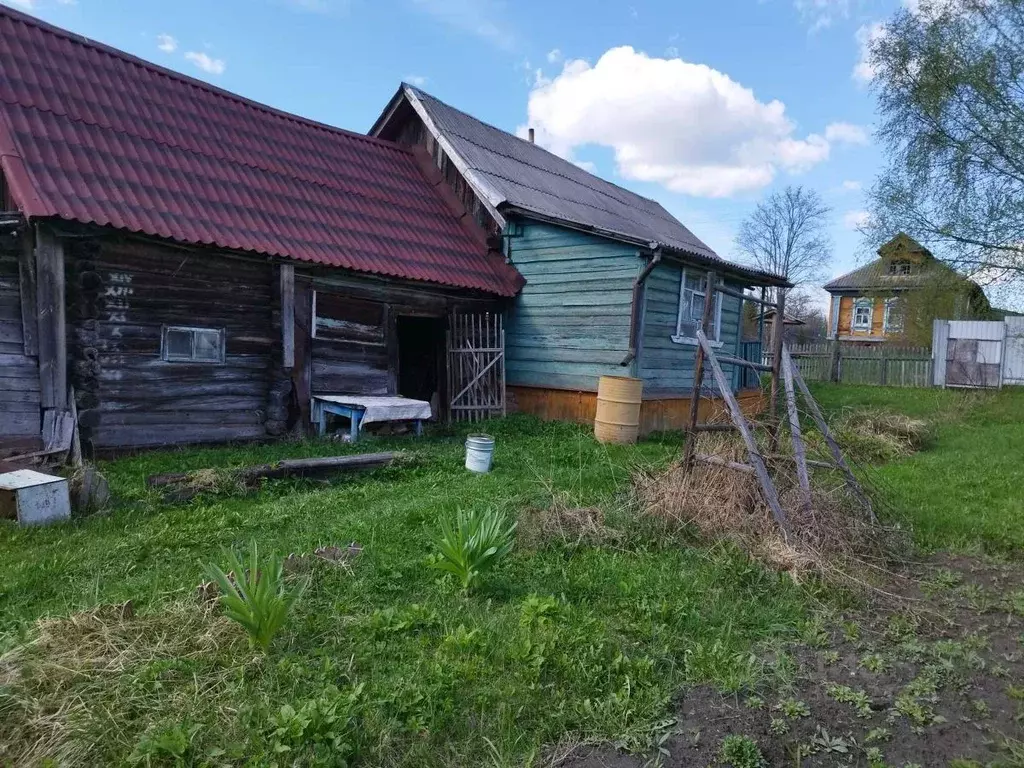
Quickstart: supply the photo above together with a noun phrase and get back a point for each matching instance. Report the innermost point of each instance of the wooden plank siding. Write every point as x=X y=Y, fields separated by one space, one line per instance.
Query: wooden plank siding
x=350 y=347
x=570 y=324
x=121 y=293
x=19 y=373
x=846 y=329
x=667 y=366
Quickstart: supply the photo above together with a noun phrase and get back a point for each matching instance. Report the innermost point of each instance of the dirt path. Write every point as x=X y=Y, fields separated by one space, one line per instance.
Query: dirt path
x=937 y=680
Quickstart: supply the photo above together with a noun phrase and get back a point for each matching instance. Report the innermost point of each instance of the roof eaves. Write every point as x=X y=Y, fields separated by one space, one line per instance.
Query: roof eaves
x=764 y=277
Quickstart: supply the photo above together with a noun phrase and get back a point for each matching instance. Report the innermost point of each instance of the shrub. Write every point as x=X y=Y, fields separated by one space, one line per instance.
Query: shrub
x=255 y=595
x=473 y=545
x=741 y=752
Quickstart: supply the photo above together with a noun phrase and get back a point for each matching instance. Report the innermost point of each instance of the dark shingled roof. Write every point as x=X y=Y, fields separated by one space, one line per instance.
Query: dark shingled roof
x=875 y=276
x=512 y=173
x=93 y=135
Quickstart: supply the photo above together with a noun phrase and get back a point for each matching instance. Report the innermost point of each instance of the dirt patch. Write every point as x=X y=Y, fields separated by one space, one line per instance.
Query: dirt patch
x=935 y=679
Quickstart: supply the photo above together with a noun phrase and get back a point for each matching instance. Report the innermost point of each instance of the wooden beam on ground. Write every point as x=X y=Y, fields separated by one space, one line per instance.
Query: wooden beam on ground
x=809 y=462
x=799 y=452
x=718 y=461
x=833 y=446
x=287 y=468
x=698 y=372
x=715 y=428
x=288 y=316
x=756 y=459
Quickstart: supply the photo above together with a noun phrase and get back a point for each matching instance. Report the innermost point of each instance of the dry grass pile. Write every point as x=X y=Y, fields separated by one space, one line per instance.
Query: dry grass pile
x=834 y=538
x=873 y=436
x=59 y=690
x=564 y=523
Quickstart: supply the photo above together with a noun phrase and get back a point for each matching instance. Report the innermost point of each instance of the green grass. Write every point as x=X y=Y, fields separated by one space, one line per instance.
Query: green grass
x=586 y=641
x=388 y=662
x=965 y=491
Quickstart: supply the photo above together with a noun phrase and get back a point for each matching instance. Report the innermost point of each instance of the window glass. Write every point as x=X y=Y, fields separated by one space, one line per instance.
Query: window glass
x=862 y=313
x=692 y=293
x=177 y=344
x=207 y=345
x=184 y=344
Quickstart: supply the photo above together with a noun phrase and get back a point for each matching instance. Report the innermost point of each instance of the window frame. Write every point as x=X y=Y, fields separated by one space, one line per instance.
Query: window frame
x=194 y=331
x=679 y=337
x=887 y=324
x=900 y=268
x=858 y=304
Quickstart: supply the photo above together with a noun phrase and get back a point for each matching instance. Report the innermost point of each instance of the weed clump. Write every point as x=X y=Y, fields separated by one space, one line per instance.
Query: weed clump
x=564 y=523
x=875 y=436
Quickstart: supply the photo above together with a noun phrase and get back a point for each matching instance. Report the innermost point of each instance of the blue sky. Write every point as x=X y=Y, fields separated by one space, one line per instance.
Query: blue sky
x=705 y=106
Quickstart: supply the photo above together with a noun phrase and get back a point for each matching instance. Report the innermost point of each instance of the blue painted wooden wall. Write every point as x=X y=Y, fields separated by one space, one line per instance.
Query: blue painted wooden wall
x=666 y=366
x=570 y=324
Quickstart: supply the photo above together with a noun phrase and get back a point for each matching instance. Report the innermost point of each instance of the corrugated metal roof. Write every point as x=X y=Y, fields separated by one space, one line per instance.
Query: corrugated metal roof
x=93 y=135
x=525 y=176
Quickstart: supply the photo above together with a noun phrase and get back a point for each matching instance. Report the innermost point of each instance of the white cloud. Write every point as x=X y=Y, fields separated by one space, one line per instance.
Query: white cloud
x=852 y=186
x=822 y=13
x=206 y=62
x=586 y=165
x=166 y=43
x=685 y=126
x=866 y=36
x=418 y=80
x=554 y=56
x=478 y=17
x=856 y=219
x=846 y=133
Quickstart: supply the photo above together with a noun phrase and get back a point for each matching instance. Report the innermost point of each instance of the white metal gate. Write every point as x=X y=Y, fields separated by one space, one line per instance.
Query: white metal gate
x=1013 y=355
x=476 y=366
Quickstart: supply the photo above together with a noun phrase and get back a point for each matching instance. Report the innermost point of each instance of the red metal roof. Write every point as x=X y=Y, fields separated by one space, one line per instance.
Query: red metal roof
x=93 y=135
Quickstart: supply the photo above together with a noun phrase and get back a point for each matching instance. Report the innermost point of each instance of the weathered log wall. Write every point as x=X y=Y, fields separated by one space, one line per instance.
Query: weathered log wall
x=351 y=347
x=121 y=292
x=19 y=371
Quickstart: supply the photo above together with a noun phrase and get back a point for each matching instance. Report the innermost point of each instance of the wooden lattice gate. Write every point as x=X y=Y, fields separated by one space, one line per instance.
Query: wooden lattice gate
x=476 y=366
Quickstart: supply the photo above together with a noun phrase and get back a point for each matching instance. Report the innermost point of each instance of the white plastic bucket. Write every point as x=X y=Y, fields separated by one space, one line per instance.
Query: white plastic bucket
x=479 y=452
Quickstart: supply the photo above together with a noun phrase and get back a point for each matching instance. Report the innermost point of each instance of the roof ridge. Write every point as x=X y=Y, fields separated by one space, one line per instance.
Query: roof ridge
x=225 y=158
x=157 y=69
x=532 y=144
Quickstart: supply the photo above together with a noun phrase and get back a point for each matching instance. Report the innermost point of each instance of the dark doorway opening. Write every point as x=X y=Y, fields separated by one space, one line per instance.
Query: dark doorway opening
x=421 y=359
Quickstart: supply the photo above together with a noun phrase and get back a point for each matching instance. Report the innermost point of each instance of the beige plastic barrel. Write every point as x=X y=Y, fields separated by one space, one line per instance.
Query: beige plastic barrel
x=618 y=409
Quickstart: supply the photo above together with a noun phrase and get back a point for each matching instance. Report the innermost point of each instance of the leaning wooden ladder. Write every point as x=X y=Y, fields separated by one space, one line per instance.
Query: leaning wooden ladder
x=782 y=367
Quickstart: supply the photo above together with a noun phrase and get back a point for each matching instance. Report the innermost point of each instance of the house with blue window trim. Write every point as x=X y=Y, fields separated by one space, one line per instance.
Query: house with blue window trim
x=614 y=284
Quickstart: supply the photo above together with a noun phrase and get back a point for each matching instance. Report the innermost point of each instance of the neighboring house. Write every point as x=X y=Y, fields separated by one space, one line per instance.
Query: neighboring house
x=195 y=265
x=614 y=284
x=896 y=296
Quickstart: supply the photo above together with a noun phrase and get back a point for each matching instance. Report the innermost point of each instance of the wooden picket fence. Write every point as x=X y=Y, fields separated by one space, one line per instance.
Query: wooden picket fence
x=879 y=365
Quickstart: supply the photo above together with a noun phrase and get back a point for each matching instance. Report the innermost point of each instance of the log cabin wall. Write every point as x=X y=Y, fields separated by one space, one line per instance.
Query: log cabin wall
x=122 y=294
x=19 y=366
x=351 y=346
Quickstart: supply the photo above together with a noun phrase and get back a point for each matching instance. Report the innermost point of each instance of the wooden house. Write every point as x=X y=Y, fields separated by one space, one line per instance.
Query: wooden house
x=179 y=264
x=614 y=284
x=898 y=295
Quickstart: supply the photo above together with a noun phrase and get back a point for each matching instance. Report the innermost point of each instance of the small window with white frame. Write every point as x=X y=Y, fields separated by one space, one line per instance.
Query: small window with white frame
x=863 y=309
x=893 y=316
x=900 y=267
x=187 y=344
x=692 y=291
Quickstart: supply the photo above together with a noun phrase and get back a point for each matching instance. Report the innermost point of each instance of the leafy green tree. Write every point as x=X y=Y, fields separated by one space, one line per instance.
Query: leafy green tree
x=949 y=78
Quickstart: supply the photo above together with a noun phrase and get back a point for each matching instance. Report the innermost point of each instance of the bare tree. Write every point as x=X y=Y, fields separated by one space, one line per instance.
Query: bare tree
x=787 y=235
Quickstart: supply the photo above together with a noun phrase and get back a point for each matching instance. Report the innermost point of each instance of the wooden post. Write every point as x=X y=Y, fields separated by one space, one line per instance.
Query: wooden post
x=834 y=360
x=302 y=372
x=288 y=316
x=698 y=372
x=799 y=453
x=53 y=374
x=833 y=446
x=778 y=328
x=883 y=365
x=756 y=459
